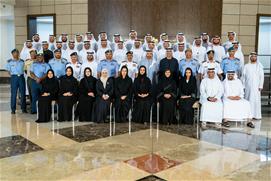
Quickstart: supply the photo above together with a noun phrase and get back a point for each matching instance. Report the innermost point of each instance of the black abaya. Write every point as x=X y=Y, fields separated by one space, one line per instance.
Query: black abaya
x=86 y=102
x=65 y=103
x=187 y=88
x=142 y=106
x=102 y=106
x=49 y=85
x=123 y=87
x=167 y=105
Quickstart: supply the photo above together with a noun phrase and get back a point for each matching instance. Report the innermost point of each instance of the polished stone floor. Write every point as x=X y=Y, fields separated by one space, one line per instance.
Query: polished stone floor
x=86 y=151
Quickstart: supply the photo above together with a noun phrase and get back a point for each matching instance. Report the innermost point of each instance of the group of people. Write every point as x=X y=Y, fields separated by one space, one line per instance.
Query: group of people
x=135 y=75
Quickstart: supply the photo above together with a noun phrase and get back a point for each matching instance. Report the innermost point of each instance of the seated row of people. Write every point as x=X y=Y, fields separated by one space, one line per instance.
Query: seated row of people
x=95 y=96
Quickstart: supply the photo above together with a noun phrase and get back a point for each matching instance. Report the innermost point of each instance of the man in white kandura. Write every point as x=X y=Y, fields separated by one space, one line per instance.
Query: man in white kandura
x=211 y=90
x=253 y=79
x=236 y=108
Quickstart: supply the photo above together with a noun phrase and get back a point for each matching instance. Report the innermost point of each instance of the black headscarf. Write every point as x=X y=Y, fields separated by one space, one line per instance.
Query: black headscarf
x=89 y=81
x=66 y=76
x=142 y=77
x=68 y=83
x=142 y=84
x=124 y=67
x=123 y=85
x=190 y=87
x=167 y=85
x=50 y=85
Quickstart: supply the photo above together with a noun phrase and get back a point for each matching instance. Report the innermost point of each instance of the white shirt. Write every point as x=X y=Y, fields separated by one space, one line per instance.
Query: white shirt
x=119 y=55
x=179 y=55
x=219 y=52
x=206 y=64
x=83 y=55
x=199 y=53
x=132 y=68
x=101 y=54
x=137 y=54
x=76 y=69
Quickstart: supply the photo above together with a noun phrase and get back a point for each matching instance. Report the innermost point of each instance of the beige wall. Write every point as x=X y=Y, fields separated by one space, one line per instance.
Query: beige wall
x=71 y=16
x=241 y=16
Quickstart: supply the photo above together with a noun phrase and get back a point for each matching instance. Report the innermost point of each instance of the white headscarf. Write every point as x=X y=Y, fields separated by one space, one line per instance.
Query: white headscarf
x=104 y=79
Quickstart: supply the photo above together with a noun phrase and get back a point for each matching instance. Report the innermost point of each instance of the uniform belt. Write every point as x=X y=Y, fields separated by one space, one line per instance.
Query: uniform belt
x=18 y=75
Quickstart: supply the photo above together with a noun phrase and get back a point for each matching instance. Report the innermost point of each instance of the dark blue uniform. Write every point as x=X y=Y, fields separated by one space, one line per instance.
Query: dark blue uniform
x=17 y=81
x=39 y=70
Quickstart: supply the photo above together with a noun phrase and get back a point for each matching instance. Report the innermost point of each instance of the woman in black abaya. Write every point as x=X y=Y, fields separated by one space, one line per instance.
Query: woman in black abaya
x=87 y=92
x=187 y=97
x=167 y=98
x=49 y=92
x=105 y=91
x=68 y=92
x=142 y=95
x=123 y=95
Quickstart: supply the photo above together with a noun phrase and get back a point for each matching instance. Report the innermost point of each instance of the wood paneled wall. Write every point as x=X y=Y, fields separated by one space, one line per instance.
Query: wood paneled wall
x=155 y=16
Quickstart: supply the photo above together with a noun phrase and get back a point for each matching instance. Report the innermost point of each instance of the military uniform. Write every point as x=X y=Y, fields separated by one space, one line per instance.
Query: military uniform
x=193 y=64
x=17 y=81
x=207 y=64
x=58 y=66
x=39 y=69
x=111 y=65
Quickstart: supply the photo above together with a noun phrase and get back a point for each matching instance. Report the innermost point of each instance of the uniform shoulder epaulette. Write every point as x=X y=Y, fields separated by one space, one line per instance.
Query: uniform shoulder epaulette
x=124 y=61
x=224 y=58
x=9 y=60
x=113 y=60
x=204 y=61
x=21 y=60
x=195 y=59
x=237 y=58
x=64 y=60
x=217 y=61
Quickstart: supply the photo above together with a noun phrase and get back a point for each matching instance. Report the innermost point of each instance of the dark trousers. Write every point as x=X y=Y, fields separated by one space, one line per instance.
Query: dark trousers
x=35 y=92
x=17 y=82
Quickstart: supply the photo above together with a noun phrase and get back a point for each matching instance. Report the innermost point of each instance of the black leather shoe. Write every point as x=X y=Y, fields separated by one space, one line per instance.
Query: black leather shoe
x=33 y=112
x=12 y=112
x=24 y=111
x=226 y=124
x=251 y=125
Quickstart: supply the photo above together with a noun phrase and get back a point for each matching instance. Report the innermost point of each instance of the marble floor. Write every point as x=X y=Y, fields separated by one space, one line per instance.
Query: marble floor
x=70 y=151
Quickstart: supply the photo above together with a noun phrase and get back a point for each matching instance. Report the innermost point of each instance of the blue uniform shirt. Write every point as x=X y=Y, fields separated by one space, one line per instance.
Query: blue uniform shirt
x=58 y=66
x=15 y=67
x=193 y=64
x=230 y=64
x=39 y=69
x=112 y=67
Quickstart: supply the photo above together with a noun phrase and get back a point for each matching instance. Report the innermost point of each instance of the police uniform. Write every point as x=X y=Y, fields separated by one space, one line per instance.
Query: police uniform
x=39 y=69
x=193 y=64
x=58 y=66
x=17 y=81
x=231 y=64
x=76 y=69
x=207 y=64
x=111 y=65
x=132 y=68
